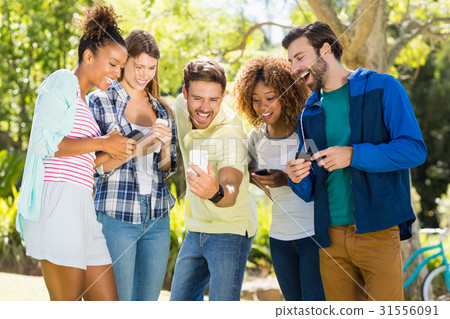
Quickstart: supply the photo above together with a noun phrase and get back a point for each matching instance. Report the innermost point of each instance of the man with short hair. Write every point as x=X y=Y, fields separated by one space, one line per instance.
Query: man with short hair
x=363 y=125
x=220 y=214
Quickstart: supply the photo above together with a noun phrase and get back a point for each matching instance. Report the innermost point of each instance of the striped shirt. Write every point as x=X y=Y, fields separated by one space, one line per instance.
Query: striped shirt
x=78 y=169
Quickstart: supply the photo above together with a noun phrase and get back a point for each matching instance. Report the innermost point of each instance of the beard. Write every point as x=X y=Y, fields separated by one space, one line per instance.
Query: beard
x=317 y=74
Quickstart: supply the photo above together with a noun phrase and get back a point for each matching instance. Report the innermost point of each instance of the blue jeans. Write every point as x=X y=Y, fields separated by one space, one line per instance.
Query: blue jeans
x=296 y=264
x=139 y=263
x=217 y=259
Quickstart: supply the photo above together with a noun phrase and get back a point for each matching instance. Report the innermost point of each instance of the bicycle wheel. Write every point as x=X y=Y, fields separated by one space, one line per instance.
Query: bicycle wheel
x=434 y=287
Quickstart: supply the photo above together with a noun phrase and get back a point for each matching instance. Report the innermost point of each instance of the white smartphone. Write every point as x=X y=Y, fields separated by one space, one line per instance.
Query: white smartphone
x=199 y=158
x=162 y=121
x=166 y=123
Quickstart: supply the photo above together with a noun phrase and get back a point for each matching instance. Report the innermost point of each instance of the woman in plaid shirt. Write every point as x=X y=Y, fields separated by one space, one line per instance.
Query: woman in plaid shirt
x=132 y=200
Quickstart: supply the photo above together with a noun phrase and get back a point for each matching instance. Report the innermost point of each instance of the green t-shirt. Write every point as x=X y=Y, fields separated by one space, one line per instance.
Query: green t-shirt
x=336 y=106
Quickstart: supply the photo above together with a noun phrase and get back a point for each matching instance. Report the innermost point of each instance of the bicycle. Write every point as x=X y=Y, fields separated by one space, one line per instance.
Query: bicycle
x=436 y=285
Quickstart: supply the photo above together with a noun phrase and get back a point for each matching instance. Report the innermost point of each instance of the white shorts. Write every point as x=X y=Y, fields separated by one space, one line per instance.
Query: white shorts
x=68 y=233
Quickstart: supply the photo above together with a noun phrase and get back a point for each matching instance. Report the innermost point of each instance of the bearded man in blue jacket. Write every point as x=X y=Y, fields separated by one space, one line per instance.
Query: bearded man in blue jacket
x=361 y=127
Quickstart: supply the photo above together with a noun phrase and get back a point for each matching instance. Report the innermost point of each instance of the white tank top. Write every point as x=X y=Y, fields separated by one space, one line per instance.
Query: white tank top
x=144 y=166
x=292 y=218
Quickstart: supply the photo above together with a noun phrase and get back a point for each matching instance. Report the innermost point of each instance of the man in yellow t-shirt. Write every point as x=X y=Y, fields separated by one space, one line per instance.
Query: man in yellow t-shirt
x=220 y=214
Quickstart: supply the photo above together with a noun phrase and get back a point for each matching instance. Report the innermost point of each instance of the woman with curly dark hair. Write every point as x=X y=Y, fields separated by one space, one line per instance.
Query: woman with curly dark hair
x=56 y=213
x=271 y=99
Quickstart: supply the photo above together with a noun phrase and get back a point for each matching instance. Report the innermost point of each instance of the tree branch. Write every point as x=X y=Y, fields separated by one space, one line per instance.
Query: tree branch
x=241 y=46
x=6 y=140
x=407 y=11
x=409 y=31
x=434 y=35
x=364 y=18
x=302 y=11
x=324 y=11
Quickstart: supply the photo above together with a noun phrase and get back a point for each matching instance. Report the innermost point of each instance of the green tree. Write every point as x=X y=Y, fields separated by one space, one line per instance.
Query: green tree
x=187 y=30
x=429 y=92
x=36 y=39
x=375 y=34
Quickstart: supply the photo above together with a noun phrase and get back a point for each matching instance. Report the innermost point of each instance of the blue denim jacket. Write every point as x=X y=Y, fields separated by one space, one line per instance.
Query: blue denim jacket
x=54 y=114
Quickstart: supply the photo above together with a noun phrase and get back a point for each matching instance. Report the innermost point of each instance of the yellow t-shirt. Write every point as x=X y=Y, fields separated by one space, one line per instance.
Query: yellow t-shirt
x=226 y=142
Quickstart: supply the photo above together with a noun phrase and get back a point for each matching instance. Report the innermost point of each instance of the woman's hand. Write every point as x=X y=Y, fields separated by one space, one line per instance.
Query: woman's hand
x=119 y=146
x=163 y=133
x=277 y=178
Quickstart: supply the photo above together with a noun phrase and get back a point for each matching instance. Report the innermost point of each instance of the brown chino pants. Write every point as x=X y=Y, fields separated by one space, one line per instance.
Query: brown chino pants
x=362 y=266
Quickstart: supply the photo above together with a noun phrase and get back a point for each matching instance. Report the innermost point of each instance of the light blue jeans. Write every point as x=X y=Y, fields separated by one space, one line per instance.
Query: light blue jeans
x=139 y=263
x=217 y=259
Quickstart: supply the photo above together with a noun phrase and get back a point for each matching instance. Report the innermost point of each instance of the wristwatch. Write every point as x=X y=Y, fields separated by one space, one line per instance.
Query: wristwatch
x=217 y=196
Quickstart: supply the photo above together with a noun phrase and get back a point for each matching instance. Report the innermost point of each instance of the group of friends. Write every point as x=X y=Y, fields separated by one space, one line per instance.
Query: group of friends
x=330 y=146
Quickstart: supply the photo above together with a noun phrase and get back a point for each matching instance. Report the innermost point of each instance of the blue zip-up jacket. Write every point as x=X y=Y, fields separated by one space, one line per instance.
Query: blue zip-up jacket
x=386 y=142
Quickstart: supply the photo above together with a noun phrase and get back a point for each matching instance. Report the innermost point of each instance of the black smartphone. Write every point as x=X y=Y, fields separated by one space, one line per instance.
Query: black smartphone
x=262 y=172
x=135 y=135
x=307 y=156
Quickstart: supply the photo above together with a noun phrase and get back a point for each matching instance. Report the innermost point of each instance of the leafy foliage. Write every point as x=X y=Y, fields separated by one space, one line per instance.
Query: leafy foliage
x=12 y=251
x=36 y=38
x=259 y=256
x=429 y=94
x=177 y=234
x=405 y=30
x=11 y=168
x=187 y=30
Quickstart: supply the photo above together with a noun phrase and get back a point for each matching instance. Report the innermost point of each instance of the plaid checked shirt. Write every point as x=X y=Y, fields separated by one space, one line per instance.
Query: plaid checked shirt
x=117 y=193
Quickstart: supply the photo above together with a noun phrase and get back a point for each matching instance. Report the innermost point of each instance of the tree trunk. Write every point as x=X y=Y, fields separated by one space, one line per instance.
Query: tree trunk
x=373 y=53
x=376 y=43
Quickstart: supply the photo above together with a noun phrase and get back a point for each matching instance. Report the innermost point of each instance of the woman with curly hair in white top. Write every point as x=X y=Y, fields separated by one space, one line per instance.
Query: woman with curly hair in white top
x=271 y=99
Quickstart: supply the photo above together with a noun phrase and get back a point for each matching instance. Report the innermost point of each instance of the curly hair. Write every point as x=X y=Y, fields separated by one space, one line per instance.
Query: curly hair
x=275 y=72
x=99 y=28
